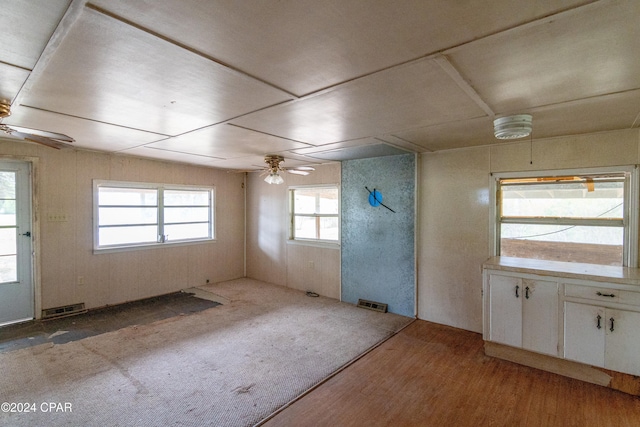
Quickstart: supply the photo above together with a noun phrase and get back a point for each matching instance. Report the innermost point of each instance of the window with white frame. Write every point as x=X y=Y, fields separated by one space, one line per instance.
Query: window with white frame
x=128 y=214
x=585 y=216
x=314 y=213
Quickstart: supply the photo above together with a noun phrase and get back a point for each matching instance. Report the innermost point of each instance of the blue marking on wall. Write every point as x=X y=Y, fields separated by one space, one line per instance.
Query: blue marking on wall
x=378 y=251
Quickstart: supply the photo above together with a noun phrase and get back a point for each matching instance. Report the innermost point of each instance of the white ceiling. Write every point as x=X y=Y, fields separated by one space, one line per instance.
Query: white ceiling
x=222 y=83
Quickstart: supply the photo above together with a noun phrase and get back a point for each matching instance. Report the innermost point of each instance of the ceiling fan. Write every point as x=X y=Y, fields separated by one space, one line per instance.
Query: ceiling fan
x=50 y=139
x=274 y=168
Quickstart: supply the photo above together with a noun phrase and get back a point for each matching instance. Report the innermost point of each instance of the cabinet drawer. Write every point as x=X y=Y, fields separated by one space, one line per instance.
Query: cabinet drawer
x=628 y=297
x=602 y=294
x=592 y=293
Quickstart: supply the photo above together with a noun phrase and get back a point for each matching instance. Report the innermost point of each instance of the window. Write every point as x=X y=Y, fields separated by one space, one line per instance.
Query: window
x=315 y=213
x=141 y=214
x=575 y=216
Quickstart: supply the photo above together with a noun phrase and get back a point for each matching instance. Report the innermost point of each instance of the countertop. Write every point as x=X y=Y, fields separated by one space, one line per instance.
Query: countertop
x=572 y=270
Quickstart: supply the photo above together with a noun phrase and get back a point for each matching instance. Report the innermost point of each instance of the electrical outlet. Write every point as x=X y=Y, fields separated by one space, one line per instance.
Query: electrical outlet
x=57 y=217
x=311 y=265
x=80 y=280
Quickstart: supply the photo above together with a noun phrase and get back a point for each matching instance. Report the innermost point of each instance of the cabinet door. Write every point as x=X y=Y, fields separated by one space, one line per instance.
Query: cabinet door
x=622 y=351
x=505 y=305
x=584 y=333
x=540 y=316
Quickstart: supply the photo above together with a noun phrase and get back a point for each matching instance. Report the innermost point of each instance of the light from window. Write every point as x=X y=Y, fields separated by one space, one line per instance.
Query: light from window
x=315 y=213
x=187 y=214
x=134 y=214
x=564 y=218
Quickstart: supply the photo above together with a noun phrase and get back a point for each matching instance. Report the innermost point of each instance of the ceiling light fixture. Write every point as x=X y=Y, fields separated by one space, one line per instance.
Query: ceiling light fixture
x=512 y=127
x=274 y=169
x=274 y=178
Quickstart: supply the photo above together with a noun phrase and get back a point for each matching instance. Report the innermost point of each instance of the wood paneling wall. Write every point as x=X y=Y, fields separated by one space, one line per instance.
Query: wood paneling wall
x=454 y=211
x=63 y=182
x=270 y=257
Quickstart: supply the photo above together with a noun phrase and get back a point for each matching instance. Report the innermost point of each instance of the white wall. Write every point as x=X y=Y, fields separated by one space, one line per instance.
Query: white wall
x=63 y=185
x=453 y=220
x=270 y=257
x=454 y=212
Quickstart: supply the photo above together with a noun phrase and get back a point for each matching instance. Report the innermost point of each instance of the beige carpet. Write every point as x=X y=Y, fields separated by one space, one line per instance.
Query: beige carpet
x=232 y=365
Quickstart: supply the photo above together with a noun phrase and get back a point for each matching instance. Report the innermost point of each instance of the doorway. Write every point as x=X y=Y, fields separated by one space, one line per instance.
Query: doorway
x=17 y=302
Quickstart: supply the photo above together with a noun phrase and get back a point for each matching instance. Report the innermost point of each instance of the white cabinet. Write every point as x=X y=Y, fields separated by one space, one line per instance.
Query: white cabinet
x=578 y=312
x=602 y=336
x=523 y=312
x=584 y=333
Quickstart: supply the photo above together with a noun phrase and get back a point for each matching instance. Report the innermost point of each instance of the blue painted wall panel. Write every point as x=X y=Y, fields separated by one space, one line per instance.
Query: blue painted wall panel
x=378 y=255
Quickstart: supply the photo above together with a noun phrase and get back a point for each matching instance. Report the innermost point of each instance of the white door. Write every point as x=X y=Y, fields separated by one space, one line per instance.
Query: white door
x=584 y=333
x=623 y=341
x=540 y=316
x=16 y=268
x=505 y=305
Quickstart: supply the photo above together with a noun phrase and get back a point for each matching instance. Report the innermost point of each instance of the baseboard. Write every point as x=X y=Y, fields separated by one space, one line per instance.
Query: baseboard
x=618 y=381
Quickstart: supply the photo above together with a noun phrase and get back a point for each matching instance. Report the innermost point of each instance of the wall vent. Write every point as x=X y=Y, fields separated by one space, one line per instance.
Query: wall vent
x=372 y=305
x=67 y=310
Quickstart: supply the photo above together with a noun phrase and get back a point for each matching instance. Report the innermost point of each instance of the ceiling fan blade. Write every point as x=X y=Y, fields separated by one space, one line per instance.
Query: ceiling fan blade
x=45 y=134
x=40 y=140
x=298 y=171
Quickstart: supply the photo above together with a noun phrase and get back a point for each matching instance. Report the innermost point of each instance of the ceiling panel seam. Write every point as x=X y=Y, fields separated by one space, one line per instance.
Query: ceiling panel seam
x=20 y=67
x=451 y=49
x=228 y=121
x=572 y=101
x=386 y=139
x=183 y=152
x=176 y=43
x=455 y=75
x=62 y=29
x=531 y=24
x=269 y=134
x=94 y=120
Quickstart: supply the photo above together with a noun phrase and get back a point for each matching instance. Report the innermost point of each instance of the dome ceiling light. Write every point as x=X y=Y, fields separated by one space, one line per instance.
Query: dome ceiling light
x=512 y=127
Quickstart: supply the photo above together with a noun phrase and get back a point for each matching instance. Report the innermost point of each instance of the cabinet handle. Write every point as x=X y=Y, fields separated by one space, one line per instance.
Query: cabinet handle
x=526 y=292
x=600 y=294
x=611 y=329
x=517 y=289
x=599 y=319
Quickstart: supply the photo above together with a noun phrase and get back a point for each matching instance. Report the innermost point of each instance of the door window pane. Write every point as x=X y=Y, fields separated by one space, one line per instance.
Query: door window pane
x=8 y=243
x=7 y=185
x=8 y=270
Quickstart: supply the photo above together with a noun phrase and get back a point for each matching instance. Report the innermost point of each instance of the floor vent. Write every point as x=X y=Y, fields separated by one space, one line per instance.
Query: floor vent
x=372 y=305
x=67 y=310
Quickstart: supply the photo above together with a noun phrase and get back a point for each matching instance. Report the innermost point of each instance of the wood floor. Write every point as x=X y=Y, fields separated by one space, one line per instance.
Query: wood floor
x=434 y=375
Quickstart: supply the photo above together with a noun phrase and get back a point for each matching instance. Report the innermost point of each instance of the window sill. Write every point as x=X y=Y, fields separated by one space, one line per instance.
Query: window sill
x=114 y=249
x=317 y=244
